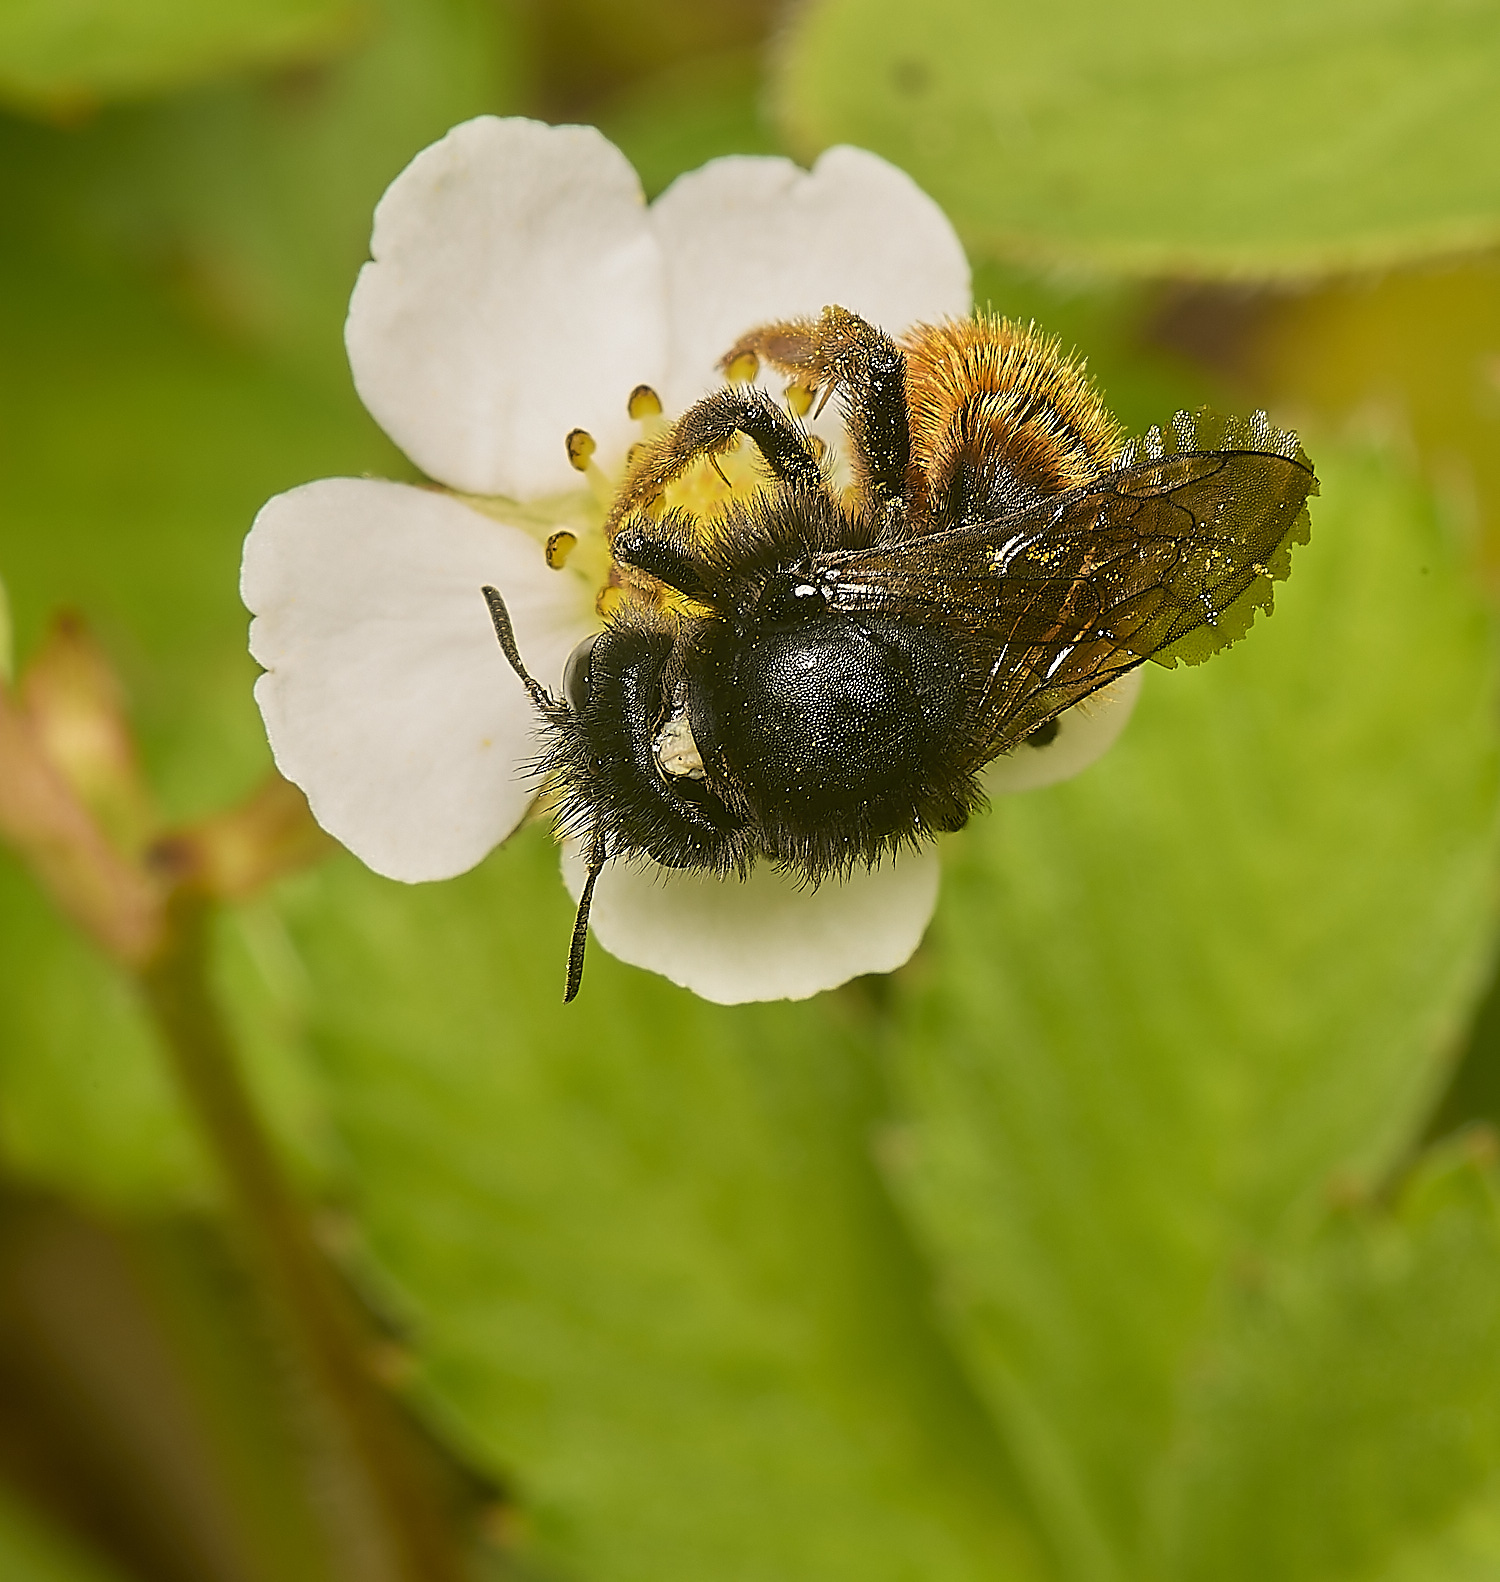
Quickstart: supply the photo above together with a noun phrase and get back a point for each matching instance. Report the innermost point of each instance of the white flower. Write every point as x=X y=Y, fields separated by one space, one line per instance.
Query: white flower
x=520 y=289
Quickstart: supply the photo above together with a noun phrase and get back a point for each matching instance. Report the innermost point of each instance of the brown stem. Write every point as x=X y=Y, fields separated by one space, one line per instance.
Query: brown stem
x=383 y=1519
x=380 y=1512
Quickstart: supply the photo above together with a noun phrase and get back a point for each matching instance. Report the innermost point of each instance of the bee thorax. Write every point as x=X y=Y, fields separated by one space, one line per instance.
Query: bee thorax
x=675 y=750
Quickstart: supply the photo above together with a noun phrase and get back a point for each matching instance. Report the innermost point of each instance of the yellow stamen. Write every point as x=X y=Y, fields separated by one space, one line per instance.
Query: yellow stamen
x=644 y=402
x=559 y=547
x=581 y=447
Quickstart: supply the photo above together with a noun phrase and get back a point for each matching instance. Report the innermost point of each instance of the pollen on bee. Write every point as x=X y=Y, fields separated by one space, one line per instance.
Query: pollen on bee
x=644 y=402
x=559 y=547
x=799 y=399
x=676 y=751
x=581 y=448
x=742 y=369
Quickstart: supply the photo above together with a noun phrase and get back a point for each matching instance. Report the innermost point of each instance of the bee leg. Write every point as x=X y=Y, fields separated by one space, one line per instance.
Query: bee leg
x=708 y=428
x=841 y=351
x=663 y=548
x=872 y=373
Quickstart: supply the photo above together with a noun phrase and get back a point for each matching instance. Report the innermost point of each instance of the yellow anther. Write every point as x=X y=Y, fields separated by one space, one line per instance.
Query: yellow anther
x=742 y=369
x=799 y=398
x=559 y=547
x=634 y=453
x=610 y=599
x=655 y=506
x=817 y=447
x=581 y=448
x=644 y=402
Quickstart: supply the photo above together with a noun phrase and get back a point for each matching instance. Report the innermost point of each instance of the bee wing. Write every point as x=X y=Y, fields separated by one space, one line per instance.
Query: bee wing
x=1167 y=556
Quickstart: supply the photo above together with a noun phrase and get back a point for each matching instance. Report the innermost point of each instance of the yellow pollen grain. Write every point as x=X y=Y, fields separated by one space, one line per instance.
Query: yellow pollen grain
x=559 y=547
x=799 y=399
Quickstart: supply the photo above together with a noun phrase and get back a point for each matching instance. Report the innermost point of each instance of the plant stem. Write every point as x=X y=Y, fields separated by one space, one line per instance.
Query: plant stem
x=375 y=1498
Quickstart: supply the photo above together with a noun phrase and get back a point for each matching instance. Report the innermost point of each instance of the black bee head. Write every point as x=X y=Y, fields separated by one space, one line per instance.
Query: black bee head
x=625 y=761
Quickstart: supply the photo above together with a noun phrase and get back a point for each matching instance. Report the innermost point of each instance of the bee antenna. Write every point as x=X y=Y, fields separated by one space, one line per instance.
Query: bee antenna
x=581 y=922
x=507 y=637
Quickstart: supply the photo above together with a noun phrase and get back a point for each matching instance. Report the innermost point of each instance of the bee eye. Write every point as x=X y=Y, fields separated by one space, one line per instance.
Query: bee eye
x=576 y=674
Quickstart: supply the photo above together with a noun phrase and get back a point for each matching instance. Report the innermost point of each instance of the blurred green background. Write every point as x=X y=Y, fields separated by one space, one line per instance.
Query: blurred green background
x=1146 y=1225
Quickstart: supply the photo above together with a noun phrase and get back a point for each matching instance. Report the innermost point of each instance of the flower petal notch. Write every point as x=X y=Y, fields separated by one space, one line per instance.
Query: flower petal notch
x=768 y=938
x=748 y=240
x=515 y=293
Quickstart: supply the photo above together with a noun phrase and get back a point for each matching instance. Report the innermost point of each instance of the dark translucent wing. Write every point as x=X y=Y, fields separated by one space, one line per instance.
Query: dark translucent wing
x=1166 y=556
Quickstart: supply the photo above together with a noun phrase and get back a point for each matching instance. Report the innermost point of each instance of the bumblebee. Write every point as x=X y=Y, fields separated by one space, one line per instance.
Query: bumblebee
x=815 y=675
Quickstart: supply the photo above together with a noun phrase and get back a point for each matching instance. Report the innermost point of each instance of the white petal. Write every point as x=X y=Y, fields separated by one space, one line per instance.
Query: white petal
x=386 y=696
x=1085 y=732
x=748 y=240
x=765 y=938
x=516 y=293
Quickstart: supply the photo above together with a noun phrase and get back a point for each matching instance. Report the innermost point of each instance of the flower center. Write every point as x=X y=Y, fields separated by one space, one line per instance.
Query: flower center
x=570 y=525
x=703 y=493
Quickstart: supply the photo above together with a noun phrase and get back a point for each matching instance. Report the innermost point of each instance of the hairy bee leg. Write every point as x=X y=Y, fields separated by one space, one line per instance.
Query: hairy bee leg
x=709 y=427
x=578 y=945
x=841 y=351
x=658 y=549
x=876 y=411
x=788 y=345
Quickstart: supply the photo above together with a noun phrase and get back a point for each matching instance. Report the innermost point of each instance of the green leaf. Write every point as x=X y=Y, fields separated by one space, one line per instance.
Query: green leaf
x=1188 y=138
x=84 y=1101
x=1167 y=1004
x=60 y=56
x=137 y=440
x=650 y=1274
x=1347 y=1422
x=251 y=204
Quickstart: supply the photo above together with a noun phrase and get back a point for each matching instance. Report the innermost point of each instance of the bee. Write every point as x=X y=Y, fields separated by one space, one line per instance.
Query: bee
x=815 y=676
